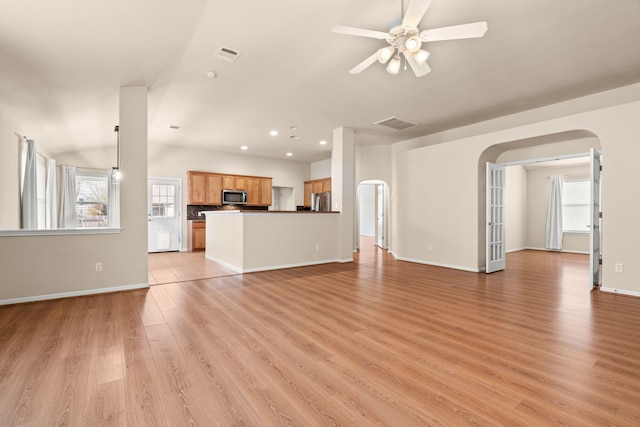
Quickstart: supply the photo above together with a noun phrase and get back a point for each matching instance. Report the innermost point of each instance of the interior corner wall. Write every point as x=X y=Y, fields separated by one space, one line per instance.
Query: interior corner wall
x=42 y=267
x=9 y=172
x=516 y=208
x=537 y=204
x=320 y=169
x=438 y=177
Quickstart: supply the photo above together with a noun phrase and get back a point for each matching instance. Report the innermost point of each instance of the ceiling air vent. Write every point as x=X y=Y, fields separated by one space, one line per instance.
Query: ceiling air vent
x=227 y=54
x=395 y=123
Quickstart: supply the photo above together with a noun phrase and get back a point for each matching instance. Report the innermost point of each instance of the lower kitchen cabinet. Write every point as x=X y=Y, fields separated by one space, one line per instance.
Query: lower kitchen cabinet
x=197 y=237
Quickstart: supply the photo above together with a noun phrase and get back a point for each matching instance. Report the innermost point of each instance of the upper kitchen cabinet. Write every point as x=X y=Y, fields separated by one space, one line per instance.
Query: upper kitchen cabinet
x=234 y=182
x=258 y=191
x=204 y=188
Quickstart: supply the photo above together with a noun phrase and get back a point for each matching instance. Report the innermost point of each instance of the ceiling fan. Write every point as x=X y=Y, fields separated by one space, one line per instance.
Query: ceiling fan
x=405 y=38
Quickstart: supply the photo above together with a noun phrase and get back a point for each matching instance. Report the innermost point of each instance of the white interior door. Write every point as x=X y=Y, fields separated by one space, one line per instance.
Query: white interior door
x=164 y=214
x=595 y=216
x=495 y=230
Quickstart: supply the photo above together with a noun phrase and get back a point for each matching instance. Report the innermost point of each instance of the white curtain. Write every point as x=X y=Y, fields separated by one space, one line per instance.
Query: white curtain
x=68 y=216
x=113 y=204
x=554 y=214
x=30 y=189
x=51 y=205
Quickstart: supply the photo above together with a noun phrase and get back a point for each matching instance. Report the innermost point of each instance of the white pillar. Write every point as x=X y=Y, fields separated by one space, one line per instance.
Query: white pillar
x=343 y=189
x=133 y=165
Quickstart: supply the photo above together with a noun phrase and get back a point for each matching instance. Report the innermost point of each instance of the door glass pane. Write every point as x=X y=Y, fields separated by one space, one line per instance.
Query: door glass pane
x=163 y=201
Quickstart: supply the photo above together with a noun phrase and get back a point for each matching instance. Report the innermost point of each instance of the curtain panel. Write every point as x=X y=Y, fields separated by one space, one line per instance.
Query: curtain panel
x=553 y=239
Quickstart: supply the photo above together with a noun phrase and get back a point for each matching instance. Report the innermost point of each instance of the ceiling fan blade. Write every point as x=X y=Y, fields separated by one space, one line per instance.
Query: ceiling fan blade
x=364 y=64
x=352 y=31
x=419 y=70
x=464 y=31
x=415 y=13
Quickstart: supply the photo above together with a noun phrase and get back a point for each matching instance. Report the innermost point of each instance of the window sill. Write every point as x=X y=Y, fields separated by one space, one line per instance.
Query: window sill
x=59 y=232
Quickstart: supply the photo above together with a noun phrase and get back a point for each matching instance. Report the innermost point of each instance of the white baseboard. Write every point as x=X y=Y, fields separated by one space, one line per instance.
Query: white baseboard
x=73 y=294
x=620 y=291
x=562 y=250
x=276 y=267
x=437 y=264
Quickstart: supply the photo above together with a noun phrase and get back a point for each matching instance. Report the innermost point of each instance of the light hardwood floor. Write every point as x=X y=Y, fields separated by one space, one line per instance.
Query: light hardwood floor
x=375 y=342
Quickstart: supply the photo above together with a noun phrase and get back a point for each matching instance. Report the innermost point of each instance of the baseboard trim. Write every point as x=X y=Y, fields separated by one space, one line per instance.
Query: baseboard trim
x=620 y=291
x=276 y=267
x=437 y=264
x=73 y=294
x=551 y=250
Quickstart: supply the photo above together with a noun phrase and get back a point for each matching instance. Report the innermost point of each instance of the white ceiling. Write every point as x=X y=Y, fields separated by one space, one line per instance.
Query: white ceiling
x=62 y=63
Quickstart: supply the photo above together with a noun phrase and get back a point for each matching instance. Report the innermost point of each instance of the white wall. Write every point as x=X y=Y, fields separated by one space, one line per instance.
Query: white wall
x=537 y=205
x=453 y=219
x=516 y=208
x=9 y=172
x=367 y=209
x=36 y=267
x=320 y=169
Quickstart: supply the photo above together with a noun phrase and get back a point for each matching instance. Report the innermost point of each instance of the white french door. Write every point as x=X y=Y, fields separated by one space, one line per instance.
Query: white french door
x=495 y=230
x=164 y=204
x=595 y=218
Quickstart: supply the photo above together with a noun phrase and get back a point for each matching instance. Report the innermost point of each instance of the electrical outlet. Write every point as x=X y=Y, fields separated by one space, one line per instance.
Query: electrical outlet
x=618 y=268
x=317 y=247
x=98 y=266
x=429 y=248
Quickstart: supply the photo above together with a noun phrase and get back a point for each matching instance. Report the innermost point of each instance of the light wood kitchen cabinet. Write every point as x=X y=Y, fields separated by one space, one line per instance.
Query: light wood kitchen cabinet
x=258 y=191
x=326 y=184
x=315 y=186
x=213 y=195
x=308 y=189
x=205 y=188
x=197 y=188
x=197 y=235
x=234 y=182
x=265 y=191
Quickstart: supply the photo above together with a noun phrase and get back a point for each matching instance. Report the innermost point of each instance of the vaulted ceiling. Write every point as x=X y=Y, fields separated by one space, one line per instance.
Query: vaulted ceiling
x=62 y=63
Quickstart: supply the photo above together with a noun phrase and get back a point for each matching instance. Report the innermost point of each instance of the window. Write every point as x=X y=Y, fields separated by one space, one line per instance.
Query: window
x=163 y=201
x=576 y=201
x=92 y=196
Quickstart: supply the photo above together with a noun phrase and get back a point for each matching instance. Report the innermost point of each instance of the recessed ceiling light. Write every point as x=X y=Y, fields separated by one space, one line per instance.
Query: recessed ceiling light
x=211 y=74
x=293 y=127
x=289 y=154
x=273 y=133
x=244 y=147
x=323 y=142
x=174 y=127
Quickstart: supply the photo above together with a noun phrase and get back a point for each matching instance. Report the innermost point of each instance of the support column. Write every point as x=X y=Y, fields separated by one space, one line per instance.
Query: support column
x=343 y=189
x=133 y=166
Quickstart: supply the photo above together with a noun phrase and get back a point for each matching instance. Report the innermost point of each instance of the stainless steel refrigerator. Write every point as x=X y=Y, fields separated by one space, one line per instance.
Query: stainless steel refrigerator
x=321 y=202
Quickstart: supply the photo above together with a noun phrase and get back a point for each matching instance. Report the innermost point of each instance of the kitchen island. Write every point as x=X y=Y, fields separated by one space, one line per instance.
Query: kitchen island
x=248 y=241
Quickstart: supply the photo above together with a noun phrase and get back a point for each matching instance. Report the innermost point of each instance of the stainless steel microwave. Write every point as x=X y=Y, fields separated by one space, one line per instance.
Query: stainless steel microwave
x=234 y=197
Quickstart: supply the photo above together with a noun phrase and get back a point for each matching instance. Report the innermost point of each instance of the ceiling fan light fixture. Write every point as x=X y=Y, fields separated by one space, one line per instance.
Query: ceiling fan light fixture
x=421 y=56
x=394 y=65
x=385 y=54
x=412 y=44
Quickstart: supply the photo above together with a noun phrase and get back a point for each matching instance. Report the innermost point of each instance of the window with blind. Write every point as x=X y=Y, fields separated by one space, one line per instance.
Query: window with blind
x=92 y=197
x=576 y=199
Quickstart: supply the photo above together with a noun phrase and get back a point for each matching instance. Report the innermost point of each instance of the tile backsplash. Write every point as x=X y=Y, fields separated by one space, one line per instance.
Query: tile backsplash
x=194 y=210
